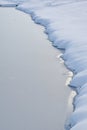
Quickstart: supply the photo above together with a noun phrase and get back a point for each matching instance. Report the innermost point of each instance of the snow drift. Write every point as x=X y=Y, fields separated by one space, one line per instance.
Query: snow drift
x=65 y=23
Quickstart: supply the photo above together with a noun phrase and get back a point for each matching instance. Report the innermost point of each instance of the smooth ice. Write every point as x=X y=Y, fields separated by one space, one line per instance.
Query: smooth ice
x=66 y=25
x=30 y=76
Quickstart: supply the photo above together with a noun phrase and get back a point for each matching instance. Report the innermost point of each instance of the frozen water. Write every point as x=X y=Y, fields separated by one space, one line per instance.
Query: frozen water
x=65 y=22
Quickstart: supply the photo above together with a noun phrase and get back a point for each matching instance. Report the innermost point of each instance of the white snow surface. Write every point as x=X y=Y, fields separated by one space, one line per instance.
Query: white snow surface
x=65 y=22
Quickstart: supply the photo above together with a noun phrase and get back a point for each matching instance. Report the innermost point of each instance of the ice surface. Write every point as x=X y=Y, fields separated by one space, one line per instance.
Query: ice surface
x=65 y=22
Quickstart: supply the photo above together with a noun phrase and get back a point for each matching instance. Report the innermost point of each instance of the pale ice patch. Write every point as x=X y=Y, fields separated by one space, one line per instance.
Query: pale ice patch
x=65 y=22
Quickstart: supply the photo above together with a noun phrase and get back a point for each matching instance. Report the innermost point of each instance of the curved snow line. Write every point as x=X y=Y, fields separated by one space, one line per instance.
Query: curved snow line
x=66 y=27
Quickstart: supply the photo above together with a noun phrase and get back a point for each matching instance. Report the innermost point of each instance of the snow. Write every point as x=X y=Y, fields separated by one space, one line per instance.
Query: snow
x=80 y=126
x=65 y=22
x=7 y=4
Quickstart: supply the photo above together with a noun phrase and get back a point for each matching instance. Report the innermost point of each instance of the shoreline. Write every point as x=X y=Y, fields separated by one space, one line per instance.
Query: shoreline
x=64 y=71
x=69 y=75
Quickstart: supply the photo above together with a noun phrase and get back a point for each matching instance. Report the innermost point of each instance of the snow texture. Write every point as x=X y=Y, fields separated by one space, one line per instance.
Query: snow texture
x=65 y=23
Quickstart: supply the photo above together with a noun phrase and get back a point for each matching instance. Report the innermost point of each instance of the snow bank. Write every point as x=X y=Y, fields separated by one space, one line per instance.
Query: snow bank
x=66 y=26
x=7 y=4
x=65 y=22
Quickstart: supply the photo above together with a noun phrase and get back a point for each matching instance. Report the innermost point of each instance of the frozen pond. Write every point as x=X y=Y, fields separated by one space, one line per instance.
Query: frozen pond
x=33 y=95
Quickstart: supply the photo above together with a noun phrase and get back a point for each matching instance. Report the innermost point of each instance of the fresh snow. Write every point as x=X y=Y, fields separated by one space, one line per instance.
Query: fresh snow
x=65 y=22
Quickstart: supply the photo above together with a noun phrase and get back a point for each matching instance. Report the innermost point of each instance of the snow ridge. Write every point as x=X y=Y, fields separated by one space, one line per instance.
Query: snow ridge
x=65 y=22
